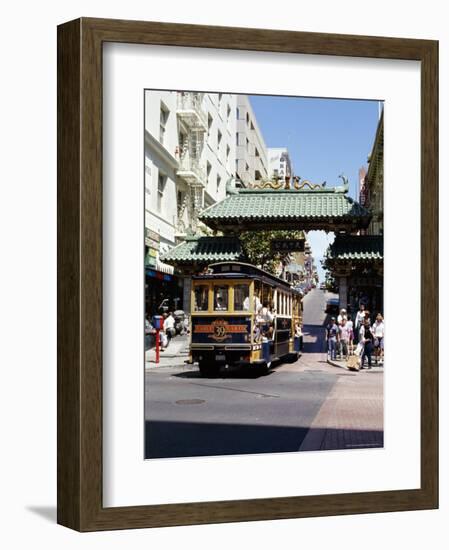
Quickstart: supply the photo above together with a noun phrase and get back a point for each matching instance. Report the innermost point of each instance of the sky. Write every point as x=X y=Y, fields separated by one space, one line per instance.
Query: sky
x=325 y=138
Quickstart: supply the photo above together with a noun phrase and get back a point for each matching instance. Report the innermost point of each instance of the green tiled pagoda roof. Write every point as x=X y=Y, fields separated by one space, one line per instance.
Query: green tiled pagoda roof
x=356 y=248
x=205 y=250
x=250 y=207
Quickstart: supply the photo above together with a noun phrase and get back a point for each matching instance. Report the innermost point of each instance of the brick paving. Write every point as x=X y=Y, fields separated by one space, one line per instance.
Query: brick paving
x=352 y=415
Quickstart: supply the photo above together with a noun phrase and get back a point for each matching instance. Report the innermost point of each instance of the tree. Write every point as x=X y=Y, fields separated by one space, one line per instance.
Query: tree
x=257 y=247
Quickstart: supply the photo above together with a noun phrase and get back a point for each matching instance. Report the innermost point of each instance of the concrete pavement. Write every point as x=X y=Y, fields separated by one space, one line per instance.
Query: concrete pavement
x=307 y=405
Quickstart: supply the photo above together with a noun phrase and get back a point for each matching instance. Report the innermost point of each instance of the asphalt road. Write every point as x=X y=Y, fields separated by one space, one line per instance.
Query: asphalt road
x=187 y=415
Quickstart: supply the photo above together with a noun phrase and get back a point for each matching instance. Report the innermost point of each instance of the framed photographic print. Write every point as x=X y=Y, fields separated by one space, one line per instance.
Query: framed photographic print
x=247 y=315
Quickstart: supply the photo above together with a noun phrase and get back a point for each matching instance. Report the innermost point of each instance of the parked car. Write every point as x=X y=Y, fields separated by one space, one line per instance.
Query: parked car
x=332 y=306
x=322 y=286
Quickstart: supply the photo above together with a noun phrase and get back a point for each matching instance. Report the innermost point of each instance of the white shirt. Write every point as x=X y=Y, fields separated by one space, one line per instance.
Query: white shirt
x=378 y=329
x=340 y=317
x=169 y=322
x=265 y=315
x=257 y=304
x=359 y=318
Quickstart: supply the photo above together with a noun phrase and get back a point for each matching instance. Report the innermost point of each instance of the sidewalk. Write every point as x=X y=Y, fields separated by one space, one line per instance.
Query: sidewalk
x=174 y=355
x=352 y=415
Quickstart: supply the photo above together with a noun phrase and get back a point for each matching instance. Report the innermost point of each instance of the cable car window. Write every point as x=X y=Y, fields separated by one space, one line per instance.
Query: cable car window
x=201 y=297
x=241 y=297
x=257 y=296
x=221 y=298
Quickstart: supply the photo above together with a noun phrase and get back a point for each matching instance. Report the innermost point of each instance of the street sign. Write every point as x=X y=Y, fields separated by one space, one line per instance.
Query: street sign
x=287 y=245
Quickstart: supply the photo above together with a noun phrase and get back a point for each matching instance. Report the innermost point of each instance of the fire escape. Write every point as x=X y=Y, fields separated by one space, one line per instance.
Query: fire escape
x=191 y=141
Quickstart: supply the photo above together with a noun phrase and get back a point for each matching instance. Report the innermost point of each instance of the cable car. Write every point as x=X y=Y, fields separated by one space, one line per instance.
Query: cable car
x=243 y=316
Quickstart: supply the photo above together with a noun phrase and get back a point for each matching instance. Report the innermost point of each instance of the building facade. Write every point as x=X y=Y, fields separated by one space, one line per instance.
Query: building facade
x=251 y=163
x=279 y=163
x=190 y=155
x=356 y=260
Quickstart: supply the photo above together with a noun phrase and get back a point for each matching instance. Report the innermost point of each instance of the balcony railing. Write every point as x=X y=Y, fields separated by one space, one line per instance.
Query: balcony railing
x=191 y=171
x=189 y=109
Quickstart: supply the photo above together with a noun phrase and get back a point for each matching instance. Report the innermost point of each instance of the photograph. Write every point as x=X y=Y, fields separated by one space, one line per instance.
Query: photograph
x=264 y=303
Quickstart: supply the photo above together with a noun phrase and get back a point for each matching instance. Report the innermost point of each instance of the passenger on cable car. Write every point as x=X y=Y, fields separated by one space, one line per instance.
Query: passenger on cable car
x=265 y=320
x=257 y=304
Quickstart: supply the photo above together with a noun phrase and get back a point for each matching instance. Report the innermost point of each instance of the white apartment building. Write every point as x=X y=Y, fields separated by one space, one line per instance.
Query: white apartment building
x=279 y=162
x=190 y=152
x=251 y=162
x=189 y=157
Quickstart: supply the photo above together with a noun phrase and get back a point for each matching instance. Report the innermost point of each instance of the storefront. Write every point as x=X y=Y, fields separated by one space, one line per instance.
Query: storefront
x=163 y=289
x=356 y=264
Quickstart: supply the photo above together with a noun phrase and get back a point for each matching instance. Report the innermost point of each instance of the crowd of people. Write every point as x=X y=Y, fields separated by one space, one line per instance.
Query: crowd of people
x=360 y=336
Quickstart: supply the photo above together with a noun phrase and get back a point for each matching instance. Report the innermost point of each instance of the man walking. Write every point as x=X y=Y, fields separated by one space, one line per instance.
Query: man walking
x=359 y=318
x=344 y=338
x=332 y=338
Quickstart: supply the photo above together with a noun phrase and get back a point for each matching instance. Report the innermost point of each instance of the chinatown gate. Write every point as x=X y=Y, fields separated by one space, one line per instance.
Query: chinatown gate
x=294 y=205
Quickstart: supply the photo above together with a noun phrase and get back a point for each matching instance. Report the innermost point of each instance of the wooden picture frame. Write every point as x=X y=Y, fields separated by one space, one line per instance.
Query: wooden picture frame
x=80 y=504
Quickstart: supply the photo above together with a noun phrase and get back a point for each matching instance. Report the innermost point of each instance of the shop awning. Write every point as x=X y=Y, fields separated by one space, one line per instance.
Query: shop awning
x=164 y=268
x=197 y=249
x=356 y=248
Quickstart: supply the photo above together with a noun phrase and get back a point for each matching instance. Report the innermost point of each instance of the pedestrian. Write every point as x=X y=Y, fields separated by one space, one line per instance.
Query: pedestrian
x=342 y=315
x=186 y=325
x=366 y=338
x=359 y=321
x=332 y=338
x=169 y=325
x=350 y=326
x=299 y=334
x=378 y=330
x=343 y=338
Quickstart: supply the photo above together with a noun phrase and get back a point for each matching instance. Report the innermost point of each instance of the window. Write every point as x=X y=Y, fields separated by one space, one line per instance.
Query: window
x=237 y=112
x=241 y=297
x=247 y=118
x=257 y=152
x=208 y=169
x=228 y=112
x=228 y=151
x=218 y=182
x=161 y=181
x=163 y=122
x=257 y=296
x=247 y=143
x=201 y=293
x=219 y=137
x=221 y=295
x=210 y=120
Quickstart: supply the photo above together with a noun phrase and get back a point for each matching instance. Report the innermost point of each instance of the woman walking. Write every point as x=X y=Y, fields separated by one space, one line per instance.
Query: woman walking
x=366 y=338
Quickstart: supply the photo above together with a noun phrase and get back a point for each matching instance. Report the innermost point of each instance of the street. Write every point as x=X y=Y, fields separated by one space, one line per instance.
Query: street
x=307 y=405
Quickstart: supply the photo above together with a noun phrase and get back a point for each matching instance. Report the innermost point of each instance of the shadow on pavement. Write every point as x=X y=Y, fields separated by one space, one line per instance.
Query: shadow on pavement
x=231 y=372
x=183 y=439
